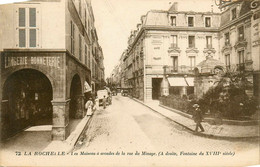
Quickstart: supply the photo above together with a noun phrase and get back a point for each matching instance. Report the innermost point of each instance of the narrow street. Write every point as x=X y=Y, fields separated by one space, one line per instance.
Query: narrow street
x=129 y=127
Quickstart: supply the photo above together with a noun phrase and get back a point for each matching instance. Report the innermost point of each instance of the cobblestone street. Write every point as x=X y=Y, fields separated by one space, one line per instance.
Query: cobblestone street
x=129 y=127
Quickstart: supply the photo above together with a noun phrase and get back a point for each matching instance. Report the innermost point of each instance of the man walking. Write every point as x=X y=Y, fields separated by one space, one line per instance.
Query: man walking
x=104 y=102
x=197 y=116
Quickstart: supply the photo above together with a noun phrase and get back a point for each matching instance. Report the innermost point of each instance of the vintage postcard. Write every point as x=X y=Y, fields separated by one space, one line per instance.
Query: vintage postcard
x=130 y=83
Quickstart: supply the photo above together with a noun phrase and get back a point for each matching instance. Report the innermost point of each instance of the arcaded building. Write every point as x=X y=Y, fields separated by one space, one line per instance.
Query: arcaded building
x=46 y=52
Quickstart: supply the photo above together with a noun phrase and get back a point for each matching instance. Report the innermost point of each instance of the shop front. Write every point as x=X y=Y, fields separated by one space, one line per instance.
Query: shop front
x=40 y=88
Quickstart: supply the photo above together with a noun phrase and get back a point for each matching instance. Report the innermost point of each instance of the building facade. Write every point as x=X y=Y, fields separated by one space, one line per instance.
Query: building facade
x=240 y=40
x=45 y=62
x=166 y=47
x=169 y=43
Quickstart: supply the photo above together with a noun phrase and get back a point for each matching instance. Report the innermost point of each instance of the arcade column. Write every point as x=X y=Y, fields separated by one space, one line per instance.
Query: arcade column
x=60 y=119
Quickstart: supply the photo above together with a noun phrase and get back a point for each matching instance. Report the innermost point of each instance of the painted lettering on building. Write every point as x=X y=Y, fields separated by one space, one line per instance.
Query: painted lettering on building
x=37 y=60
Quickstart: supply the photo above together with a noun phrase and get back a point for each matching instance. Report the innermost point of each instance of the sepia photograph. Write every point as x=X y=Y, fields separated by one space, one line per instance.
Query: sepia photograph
x=130 y=83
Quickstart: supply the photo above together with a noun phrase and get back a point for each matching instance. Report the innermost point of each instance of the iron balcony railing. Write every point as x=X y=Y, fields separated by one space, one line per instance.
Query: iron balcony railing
x=179 y=69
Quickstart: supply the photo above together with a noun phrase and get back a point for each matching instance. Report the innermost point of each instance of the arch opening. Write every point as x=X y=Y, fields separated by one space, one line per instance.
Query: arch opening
x=27 y=96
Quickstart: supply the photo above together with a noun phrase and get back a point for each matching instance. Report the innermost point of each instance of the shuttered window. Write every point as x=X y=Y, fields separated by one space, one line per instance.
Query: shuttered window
x=32 y=19
x=22 y=38
x=21 y=17
x=27 y=27
x=80 y=49
x=32 y=37
x=72 y=37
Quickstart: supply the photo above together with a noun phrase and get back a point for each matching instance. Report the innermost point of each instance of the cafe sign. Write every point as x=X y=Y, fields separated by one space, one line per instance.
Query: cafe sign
x=50 y=61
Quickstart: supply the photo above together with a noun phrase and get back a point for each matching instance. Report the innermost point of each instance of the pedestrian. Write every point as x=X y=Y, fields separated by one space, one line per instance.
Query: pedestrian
x=96 y=103
x=89 y=106
x=104 y=102
x=197 y=116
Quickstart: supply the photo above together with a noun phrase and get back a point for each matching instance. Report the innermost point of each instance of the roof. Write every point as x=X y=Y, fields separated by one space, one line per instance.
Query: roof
x=209 y=64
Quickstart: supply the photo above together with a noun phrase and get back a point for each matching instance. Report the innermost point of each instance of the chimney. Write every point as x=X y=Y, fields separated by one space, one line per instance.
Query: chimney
x=174 y=7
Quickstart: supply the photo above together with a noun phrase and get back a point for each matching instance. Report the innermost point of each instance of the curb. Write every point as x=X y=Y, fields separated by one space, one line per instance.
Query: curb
x=71 y=141
x=197 y=133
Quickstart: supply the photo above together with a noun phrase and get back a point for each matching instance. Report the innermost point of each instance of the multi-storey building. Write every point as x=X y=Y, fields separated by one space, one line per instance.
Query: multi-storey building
x=46 y=58
x=167 y=46
x=169 y=43
x=240 y=40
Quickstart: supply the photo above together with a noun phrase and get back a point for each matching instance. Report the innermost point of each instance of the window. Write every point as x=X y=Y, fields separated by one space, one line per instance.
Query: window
x=27 y=30
x=208 y=42
x=207 y=22
x=241 y=59
x=173 y=20
x=227 y=61
x=192 y=62
x=191 y=41
x=175 y=63
x=190 y=21
x=85 y=18
x=80 y=8
x=241 y=33
x=233 y=14
x=174 y=41
x=80 y=47
x=227 y=41
x=86 y=55
x=72 y=37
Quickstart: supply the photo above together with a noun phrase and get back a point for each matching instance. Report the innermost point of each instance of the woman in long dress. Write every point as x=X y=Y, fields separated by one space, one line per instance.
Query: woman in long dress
x=89 y=107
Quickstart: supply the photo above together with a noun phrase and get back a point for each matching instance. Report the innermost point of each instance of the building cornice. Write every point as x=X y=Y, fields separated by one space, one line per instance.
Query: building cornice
x=232 y=22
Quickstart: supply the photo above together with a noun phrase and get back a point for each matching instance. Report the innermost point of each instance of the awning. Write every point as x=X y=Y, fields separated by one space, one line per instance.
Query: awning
x=87 y=88
x=190 y=81
x=181 y=81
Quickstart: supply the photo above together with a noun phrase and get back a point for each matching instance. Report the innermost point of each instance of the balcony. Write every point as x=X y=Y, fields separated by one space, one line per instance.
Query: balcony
x=245 y=67
x=178 y=69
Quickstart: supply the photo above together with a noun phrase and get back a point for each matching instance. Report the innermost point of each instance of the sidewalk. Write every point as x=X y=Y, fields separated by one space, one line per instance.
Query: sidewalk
x=38 y=138
x=213 y=131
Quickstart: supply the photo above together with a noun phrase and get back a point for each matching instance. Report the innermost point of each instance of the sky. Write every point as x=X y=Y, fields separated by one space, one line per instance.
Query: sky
x=114 y=20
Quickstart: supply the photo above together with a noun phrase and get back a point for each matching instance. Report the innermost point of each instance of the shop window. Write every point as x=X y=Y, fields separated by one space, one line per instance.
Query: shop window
x=191 y=21
x=207 y=22
x=191 y=41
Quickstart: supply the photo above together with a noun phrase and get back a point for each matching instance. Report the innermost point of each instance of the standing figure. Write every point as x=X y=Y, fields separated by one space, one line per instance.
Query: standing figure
x=104 y=102
x=96 y=104
x=197 y=116
x=89 y=106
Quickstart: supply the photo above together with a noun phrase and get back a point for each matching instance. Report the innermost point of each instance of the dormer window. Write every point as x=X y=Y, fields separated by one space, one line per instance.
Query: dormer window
x=233 y=14
x=191 y=21
x=207 y=22
x=173 y=20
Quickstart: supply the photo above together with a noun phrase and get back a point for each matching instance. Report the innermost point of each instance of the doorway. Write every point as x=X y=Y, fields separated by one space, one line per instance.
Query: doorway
x=156 y=88
x=27 y=96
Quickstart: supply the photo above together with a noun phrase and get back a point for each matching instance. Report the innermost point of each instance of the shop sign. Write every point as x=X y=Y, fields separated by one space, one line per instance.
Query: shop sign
x=50 y=61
